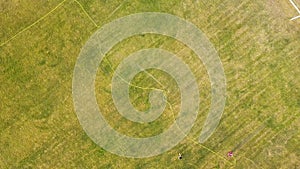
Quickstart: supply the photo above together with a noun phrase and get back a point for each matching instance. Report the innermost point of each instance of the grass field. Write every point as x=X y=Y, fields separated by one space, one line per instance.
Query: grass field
x=257 y=43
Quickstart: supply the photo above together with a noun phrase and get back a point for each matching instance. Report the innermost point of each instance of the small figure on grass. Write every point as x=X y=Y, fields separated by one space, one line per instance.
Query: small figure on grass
x=179 y=156
x=230 y=154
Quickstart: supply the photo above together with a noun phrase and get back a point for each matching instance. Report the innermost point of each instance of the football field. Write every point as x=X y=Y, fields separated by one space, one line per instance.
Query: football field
x=257 y=42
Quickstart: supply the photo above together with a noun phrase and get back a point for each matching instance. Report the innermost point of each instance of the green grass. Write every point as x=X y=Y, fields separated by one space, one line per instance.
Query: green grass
x=258 y=45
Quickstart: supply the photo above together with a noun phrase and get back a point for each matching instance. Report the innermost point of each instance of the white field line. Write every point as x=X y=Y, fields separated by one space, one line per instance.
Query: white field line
x=295 y=6
x=296 y=17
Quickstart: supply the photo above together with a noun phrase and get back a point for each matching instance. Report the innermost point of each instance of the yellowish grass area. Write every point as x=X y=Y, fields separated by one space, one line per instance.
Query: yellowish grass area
x=256 y=41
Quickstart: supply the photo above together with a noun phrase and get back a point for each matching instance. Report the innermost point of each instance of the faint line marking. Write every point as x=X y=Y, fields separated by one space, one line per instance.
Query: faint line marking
x=34 y=23
x=86 y=13
x=150 y=75
x=116 y=9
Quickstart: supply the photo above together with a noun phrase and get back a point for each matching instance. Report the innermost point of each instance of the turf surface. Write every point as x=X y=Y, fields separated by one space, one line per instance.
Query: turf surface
x=256 y=41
